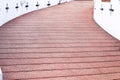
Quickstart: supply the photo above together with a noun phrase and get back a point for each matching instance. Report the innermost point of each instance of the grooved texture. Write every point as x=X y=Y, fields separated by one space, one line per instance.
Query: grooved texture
x=59 y=43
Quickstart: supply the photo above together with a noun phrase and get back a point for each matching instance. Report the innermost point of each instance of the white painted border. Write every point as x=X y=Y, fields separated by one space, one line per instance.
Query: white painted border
x=0 y=74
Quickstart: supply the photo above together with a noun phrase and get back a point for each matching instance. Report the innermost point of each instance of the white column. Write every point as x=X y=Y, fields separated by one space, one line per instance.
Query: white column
x=0 y=74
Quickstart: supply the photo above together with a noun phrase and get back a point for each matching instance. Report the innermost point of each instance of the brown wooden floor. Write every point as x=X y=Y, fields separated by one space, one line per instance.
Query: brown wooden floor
x=59 y=43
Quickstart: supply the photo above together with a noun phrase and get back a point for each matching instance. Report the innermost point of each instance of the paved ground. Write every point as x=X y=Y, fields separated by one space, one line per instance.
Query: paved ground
x=59 y=43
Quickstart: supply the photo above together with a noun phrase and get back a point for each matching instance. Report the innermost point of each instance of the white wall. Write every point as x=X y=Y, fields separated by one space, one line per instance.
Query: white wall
x=12 y=12
x=0 y=74
x=108 y=20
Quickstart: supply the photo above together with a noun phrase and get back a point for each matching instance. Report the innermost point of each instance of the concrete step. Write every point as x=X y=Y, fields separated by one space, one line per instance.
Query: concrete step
x=58 y=43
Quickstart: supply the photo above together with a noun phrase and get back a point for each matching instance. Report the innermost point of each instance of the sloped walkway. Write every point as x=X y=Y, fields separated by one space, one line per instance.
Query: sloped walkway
x=59 y=43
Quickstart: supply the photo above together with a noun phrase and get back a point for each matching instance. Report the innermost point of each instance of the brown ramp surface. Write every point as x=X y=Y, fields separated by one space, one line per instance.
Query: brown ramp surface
x=59 y=43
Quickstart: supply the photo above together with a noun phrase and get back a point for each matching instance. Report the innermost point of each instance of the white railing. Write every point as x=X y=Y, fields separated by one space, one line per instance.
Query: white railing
x=107 y=15
x=10 y=9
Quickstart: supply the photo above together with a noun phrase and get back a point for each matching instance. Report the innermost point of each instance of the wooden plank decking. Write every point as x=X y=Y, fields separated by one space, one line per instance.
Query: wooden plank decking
x=59 y=43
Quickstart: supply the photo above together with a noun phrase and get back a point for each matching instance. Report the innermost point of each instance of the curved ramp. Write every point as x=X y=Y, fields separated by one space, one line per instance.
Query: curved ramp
x=59 y=43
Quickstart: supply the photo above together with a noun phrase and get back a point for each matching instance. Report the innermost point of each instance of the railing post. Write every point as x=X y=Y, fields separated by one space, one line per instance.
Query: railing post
x=0 y=74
